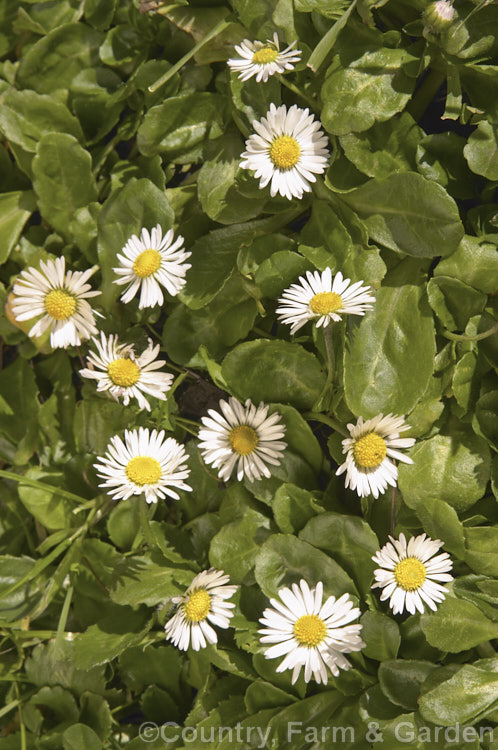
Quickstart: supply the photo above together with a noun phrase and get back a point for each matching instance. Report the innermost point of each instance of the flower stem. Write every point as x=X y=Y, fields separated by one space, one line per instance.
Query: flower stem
x=295 y=90
x=464 y=337
x=220 y=26
x=329 y=348
x=145 y=523
x=425 y=93
x=314 y=416
x=393 y=510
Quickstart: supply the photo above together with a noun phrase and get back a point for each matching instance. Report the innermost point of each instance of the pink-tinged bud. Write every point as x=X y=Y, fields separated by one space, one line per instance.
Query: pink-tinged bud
x=439 y=15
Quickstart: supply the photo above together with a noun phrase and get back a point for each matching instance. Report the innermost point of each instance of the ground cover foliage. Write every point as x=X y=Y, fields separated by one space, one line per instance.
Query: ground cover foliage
x=90 y=155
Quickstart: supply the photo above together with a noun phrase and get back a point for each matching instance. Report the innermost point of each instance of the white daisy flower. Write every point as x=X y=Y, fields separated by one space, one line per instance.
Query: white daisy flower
x=288 y=149
x=203 y=603
x=311 y=634
x=119 y=371
x=146 y=463
x=372 y=444
x=322 y=298
x=60 y=298
x=263 y=60
x=409 y=573
x=244 y=436
x=151 y=262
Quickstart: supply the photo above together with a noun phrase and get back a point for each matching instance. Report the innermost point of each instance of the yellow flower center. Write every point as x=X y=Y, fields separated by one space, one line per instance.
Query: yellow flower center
x=123 y=372
x=310 y=630
x=410 y=573
x=369 y=450
x=146 y=263
x=60 y=304
x=285 y=152
x=143 y=470
x=197 y=606
x=243 y=439
x=325 y=302
x=265 y=55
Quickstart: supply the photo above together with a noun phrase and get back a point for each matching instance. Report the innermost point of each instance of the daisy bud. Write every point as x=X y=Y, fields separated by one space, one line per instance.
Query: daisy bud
x=439 y=16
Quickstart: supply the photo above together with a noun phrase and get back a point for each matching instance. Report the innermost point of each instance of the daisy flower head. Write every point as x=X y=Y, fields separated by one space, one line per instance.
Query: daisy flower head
x=151 y=262
x=242 y=436
x=262 y=59
x=60 y=299
x=373 y=443
x=322 y=298
x=143 y=463
x=287 y=150
x=311 y=633
x=203 y=605
x=410 y=575
x=119 y=371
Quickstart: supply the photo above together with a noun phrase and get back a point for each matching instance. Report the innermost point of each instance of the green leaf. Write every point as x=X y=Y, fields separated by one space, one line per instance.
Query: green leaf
x=349 y=540
x=283 y=560
x=138 y=204
x=457 y=626
x=465 y=698
x=396 y=337
x=234 y=548
x=109 y=637
x=214 y=256
x=225 y=320
x=487 y=417
x=179 y=126
x=381 y=635
x=142 y=580
x=261 y=695
x=95 y=422
x=385 y=148
x=370 y=89
x=454 y=468
x=15 y=210
x=274 y=371
x=293 y=507
x=26 y=116
x=48 y=507
x=55 y=60
x=474 y=261
x=62 y=179
x=482 y=543
x=481 y=151
x=466 y=381
x=409 y=214
x=81 y=737
x=299 y=436
x=454 y=302
x=217 y=183
x=440 y=521
x=21 y=602
x=400 y=680
x=279 y=271
x=440 y=158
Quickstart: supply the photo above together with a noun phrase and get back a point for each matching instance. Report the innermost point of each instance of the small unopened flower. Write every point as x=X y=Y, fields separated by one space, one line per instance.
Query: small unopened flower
x=152 y=262
x=262 y=59
x=373 y=443
x=143 y=463
x=60 y=299
x=323 y=299
x=119 y=371
x=439 y=15
x=410 y=575
x=242 y=436
x=203 y=605
x=287 y=151
x=309 y=633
